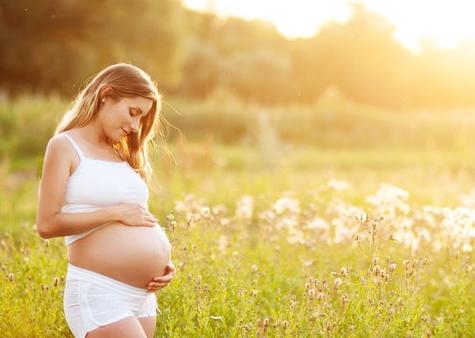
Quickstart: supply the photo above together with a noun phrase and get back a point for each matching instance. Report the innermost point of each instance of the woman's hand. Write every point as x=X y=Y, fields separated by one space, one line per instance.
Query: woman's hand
x=133 y=214
x=158 y=283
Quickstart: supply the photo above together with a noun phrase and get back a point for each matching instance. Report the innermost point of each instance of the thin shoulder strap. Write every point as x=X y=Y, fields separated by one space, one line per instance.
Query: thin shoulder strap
x=79 y=151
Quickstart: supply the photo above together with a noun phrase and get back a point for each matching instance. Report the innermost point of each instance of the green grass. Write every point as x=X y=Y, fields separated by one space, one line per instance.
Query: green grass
x=250 y=277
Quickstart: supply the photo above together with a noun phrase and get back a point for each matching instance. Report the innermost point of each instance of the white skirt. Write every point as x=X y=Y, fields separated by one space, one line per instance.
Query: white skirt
x=92 y=300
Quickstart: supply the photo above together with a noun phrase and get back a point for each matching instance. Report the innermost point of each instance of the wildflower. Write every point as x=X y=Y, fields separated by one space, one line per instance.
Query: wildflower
x=318 y=223
x=338 y=185
x=180 y=207
x=308 y=263
x=170 y=217
x=375 y=260
x=224 y=222
x=219 y=209
x=285 y=324
x=286 y=204
x=311 y=293
x=392 y=238
x=266 y=322
x=344 y=271
x=467 y=247
x=222 y=243
x=337 y=283
x=55 y=281
x=361 y=216
x=254 y=268
x=245 y=207
x=253 y=293
x=205 y=212
x=344 y=299
x=318 y=314
x=320 y=296
x=376 y=270
x=392 y=267
x=11 y=277
x=406 y=263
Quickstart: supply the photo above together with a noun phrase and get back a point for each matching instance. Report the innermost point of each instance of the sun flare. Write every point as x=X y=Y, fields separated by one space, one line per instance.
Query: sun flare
x=446 y=23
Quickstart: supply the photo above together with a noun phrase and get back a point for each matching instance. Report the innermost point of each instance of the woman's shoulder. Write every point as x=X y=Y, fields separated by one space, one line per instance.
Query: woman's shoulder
x=59 y=144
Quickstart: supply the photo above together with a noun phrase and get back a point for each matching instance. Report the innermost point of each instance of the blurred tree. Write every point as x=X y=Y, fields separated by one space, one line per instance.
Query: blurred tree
x=261 y=76
x=203 y=71
x=53 y=44
x=360 y=57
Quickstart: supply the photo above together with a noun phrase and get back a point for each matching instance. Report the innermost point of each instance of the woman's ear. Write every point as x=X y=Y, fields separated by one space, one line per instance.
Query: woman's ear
x=106 y=92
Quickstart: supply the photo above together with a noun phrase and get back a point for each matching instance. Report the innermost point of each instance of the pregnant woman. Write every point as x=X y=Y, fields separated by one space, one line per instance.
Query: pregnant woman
x=93 y=191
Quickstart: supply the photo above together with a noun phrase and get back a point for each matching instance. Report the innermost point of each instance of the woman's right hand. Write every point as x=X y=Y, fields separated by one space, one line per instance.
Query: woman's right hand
x=134 y=214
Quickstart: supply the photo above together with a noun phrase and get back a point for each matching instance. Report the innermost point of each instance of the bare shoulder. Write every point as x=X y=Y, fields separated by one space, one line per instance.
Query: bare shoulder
x=60 y=151
x=59 y=144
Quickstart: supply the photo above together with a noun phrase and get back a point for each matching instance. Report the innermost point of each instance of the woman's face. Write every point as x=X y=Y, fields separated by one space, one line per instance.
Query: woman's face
x=119 y=118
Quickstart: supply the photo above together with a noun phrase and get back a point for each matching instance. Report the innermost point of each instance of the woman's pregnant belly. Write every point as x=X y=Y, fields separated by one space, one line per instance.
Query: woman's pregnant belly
x=132 y=255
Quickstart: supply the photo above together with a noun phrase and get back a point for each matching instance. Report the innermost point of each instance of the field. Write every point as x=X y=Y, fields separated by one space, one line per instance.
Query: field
x=274 y=239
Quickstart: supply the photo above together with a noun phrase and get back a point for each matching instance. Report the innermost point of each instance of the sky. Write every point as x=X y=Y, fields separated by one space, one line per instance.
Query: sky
x=445 y=22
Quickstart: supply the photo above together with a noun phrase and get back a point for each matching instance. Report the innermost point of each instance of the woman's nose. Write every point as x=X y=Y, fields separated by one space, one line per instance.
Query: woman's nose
x=134 y=126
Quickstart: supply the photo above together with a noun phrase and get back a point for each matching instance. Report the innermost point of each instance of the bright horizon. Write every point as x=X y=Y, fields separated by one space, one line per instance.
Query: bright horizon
x=446 y=23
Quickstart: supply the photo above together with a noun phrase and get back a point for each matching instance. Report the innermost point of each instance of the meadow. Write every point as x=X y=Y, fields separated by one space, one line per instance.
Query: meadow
x=357 y=230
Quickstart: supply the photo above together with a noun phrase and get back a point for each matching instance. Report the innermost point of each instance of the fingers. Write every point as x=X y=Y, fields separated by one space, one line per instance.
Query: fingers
x=153 y=286
x=150 y=223
x=170 y=268
x=156 y=285
x=164 y=279
x=151 y=219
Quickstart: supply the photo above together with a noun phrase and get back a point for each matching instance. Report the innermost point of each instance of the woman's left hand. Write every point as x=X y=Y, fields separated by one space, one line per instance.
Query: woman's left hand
x=158 y=283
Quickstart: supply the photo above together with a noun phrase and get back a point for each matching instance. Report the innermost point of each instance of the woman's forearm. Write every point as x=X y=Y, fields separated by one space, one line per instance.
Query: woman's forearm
x=65 y=224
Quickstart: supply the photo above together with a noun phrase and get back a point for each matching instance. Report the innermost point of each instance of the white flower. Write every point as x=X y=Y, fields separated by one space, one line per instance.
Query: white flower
x=338 y=185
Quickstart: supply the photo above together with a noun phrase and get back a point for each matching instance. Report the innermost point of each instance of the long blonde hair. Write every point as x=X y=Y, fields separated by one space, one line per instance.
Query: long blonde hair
x=125 y=80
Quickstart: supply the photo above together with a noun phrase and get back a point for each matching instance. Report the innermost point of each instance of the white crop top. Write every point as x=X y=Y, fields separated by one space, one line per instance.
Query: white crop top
x=96 y=184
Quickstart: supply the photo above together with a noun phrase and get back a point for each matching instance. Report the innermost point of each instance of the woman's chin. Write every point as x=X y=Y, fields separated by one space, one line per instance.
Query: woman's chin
x=117 y=136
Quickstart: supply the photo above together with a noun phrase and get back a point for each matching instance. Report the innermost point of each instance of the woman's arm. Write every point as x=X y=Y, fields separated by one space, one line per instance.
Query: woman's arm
x=50 y=221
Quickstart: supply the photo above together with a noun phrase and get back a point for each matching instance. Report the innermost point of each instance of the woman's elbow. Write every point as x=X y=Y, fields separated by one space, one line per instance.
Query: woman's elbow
x=43 y=233
x=44 y=230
